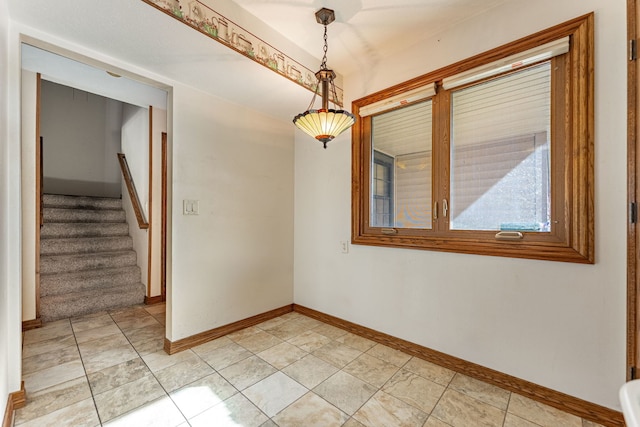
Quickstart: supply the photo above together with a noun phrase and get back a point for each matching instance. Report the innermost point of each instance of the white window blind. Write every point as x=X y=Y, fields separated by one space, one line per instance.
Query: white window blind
x=513 y=105
x=500 y=152
x=502 y=185
x=405 y=134
x=523 y=59
x=413 y=190
x=405 y=98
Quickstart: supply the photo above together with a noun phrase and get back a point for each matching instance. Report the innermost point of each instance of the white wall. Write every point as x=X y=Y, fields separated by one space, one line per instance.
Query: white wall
x=560 y=325
x=235 y=259
x=5 y=320
x=135 y=146
x=79 y=159
x=138 y=235
x=10 y=280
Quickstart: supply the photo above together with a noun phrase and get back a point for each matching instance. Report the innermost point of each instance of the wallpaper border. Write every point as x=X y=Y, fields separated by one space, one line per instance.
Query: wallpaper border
x=207 y=21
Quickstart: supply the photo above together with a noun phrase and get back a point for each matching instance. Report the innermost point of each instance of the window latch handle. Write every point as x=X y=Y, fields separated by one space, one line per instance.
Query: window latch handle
x=435 y=210
x=509 y=235
x=389 y=231
x=445 y=208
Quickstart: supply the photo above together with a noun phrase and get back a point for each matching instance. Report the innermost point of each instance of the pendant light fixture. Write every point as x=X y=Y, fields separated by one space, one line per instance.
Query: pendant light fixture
x=324 y=124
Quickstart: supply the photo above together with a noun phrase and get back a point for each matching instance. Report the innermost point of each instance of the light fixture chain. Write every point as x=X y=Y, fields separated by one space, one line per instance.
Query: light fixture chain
x=325 y=123
x=335 y=94
x=315 y=94
x=326 y=48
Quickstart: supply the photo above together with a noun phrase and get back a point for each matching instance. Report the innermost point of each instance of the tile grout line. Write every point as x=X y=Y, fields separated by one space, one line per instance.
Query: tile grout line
x=506 y=411
x=478 y=400
x=349 y=416
x=227 y=381
x=284 y=373
x=378 y=389
x=274 y=367
x=222 y=401
x=448 y=387
x=86 y=375
x=167 y=394
x=39 y=370
x=109 y=313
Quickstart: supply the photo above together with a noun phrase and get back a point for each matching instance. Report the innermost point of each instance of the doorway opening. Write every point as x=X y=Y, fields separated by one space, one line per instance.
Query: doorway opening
x=134 y=121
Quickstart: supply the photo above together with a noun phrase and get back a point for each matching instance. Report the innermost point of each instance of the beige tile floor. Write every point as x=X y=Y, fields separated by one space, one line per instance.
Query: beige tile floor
x=109 y=369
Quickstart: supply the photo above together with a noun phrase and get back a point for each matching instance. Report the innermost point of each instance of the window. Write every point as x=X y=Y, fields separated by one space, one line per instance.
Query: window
x=493 y=155
x=402 y=142
x=500 y=153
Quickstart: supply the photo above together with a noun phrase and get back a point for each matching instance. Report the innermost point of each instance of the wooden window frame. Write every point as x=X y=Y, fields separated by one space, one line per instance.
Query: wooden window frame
x=572 y=185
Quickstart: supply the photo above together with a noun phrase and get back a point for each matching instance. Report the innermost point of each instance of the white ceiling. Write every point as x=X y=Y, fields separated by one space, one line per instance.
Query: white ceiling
x=65 y=71
x=365 y=31
x=132 y=32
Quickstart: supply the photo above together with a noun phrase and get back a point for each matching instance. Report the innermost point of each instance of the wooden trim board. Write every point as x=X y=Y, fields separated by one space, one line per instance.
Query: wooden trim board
x=39 y=189
x=7 y=420
x=172 y=347
x=19 y=398
x=633 y=176
x=556 y=399
x=163 y=220
x=564 y=402
x=153 y=300
x=15 y=400
x=150 y=204
x=133 y=194
x=31 y=324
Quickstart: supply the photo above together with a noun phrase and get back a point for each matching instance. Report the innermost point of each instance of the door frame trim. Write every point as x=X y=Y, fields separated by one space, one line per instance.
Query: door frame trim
x=39 y=189
x=150 y=209
x=163 y=220
x=632 y=183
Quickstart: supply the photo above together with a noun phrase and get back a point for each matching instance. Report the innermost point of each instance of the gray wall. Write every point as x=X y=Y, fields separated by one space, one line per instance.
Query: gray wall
x=81 y=134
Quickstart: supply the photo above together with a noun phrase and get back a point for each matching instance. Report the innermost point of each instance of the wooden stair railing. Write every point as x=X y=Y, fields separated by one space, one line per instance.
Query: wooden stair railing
x=41 y=183
x=133 y=194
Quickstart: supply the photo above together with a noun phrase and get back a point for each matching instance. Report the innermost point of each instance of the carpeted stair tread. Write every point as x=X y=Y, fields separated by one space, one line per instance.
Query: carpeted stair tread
x=83 y=215
x=79 y=262
x=81 y=202
x=87 y=260
x=78 y=245
x=60 y=283
x=90 y=301
x=83 y=229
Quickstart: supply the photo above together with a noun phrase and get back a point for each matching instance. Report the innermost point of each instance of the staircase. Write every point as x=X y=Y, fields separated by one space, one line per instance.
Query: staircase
x=87 y=261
